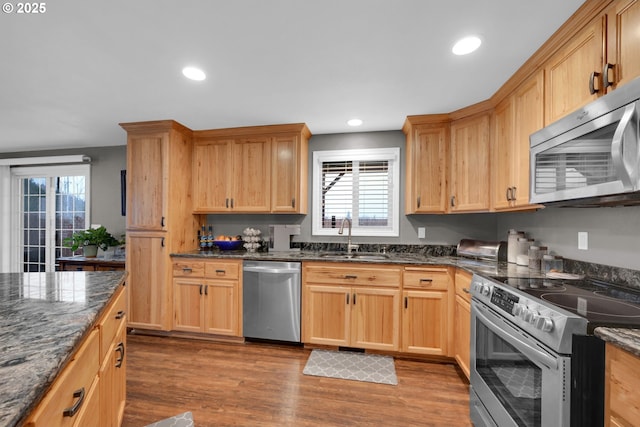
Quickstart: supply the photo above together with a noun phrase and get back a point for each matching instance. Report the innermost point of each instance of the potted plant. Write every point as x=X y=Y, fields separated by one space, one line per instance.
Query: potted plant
x=90 y=240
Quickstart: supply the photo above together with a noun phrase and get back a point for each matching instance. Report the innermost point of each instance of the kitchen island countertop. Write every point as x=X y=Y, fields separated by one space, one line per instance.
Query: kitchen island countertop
x=43 y=319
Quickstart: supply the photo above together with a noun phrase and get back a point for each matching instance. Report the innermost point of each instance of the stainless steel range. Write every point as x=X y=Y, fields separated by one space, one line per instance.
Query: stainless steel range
x=534 y=361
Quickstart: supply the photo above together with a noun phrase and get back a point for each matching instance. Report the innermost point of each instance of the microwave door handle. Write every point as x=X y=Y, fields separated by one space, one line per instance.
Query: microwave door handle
x=625 y=131
x=528 y=350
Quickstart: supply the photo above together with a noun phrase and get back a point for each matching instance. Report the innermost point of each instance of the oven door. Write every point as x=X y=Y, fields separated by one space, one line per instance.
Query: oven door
x=515 y=381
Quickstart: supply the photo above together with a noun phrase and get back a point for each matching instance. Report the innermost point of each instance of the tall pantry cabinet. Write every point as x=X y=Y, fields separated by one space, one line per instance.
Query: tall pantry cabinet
x=159 y=216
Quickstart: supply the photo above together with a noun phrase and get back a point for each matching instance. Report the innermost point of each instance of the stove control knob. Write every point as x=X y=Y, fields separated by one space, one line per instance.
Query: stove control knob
x=517 y=309
x=485 y=290
x=545 y=324
x=527 y=315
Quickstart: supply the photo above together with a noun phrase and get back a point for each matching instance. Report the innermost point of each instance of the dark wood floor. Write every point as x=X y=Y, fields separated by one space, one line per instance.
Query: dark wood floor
x=263 y=385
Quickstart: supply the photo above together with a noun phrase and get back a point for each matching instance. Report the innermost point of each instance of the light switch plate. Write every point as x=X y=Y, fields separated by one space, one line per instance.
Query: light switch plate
x=422 y=232
x=583 y=240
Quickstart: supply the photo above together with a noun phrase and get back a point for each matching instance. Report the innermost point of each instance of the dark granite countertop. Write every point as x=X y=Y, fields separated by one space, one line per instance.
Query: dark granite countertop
x=43 y=318
x=627 y=339
x=483 y=267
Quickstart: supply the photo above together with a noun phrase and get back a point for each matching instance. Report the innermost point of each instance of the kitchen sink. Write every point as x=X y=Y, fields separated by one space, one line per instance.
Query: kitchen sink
x=356 y=256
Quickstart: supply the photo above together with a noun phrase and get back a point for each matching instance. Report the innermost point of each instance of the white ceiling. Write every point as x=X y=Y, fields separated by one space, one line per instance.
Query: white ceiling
x=70 y=75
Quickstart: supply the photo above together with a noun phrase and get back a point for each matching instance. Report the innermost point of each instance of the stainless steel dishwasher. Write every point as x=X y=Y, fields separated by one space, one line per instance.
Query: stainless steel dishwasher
x=271 y=300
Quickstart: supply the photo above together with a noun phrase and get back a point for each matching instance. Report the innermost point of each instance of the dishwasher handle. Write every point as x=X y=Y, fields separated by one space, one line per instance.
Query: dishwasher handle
x=271 y=270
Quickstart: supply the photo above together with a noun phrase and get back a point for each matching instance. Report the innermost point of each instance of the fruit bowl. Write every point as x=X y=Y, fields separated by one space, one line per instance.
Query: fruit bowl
x=228 y=245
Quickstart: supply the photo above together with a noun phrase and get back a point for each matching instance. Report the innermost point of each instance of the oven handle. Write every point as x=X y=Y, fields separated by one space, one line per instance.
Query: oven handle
x=529 y=351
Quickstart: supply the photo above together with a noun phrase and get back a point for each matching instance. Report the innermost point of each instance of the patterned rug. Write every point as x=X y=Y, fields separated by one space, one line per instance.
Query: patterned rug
x=349 y=365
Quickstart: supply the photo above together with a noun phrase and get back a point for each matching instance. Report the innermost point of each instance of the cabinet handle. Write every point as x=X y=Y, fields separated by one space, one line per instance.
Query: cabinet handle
x=453 y=201
x=201 y=289
x=465 y=290
x=513 y=193
x=120 y=314
x=354 y=298
x=350 y=276
x=293 y=202
x=418 y=202
x=429 y=281
x=70 y=412
x=592 y=78
x=206 y=289
x=605 y=76
x=162 y=222
x=348 y=298
x=226 y=201
x=187 y=269
x=406 y=302
x=218 y=272
x=232 y=203
x=120 y=359
x=508 y=194
x=162 y=242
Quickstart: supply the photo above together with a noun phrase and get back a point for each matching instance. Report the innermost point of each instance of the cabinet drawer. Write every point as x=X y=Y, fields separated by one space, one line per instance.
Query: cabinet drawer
x=72 y=388
x=188 y=269
x=463 y=285
x=222 y=270
x=426 y=278
x=345 y=274
x=113 y=318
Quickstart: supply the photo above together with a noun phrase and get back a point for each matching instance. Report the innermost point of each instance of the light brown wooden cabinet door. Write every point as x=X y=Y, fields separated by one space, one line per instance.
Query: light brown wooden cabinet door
x=327 y=315
x=212 y=175
x=375 y=318
x=515 y=119
x=622 y=375
x=251 y=180
x=503 y=146
x=462 y=334
x=427 y=159
x=288 y=174
x=147 y=282
x=424 y=322
x=188 y=305
x=571 y=69
x=113 y=382
x=623 y=42
x=146 y=189
x=469 y=174
x=222 y=307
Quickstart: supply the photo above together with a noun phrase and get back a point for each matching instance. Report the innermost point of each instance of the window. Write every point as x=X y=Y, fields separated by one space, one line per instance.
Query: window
x=361 y=185
x=52 y=202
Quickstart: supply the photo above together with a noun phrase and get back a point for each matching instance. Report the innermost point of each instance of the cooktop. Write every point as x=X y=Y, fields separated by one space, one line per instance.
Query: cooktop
x=601 y=303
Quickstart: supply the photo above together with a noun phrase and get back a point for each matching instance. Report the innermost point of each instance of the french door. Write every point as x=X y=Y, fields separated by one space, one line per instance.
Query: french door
x=51 y=203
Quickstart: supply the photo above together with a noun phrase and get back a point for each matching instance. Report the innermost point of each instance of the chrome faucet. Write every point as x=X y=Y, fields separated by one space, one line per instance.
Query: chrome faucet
x=350 y=246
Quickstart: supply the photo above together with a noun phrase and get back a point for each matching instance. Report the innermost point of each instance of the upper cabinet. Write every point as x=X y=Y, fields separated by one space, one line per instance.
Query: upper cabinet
x=469 y=172
x=427 y=158
x=600 y=57
x=252 y=170
x=515 y=118
x=623 y=42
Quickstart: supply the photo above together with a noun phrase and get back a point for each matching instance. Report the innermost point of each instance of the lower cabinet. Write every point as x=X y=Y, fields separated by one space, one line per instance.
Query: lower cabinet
x=91 y=390
x=622 y=376
x=426 y=310
x=206 y=296
x=351 y=305
x=462 y=321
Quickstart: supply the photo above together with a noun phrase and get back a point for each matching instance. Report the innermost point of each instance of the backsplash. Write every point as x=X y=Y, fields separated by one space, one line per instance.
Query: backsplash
x=620 y=276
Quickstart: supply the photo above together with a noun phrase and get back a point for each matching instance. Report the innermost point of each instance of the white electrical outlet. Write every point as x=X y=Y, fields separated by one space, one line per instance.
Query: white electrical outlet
x=583 y=240
x=422 y=232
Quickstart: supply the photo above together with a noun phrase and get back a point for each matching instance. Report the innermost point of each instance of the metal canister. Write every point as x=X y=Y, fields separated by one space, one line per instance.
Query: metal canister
x=512 y=245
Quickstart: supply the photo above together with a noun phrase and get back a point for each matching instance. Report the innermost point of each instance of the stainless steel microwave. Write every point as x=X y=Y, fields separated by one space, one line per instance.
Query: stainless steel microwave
x=591 y=157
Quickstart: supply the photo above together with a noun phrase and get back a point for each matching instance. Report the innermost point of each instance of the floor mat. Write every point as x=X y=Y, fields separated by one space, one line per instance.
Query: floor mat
x=349 y=365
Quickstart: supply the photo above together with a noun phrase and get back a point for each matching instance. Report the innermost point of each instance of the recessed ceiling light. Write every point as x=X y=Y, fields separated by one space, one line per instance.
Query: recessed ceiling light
x=194 y=73
x=354 y=122
x=466 y=45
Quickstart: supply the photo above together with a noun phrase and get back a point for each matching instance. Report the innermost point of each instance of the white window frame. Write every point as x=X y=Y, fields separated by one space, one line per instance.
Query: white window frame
x=391 y=154
x=16 y=235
